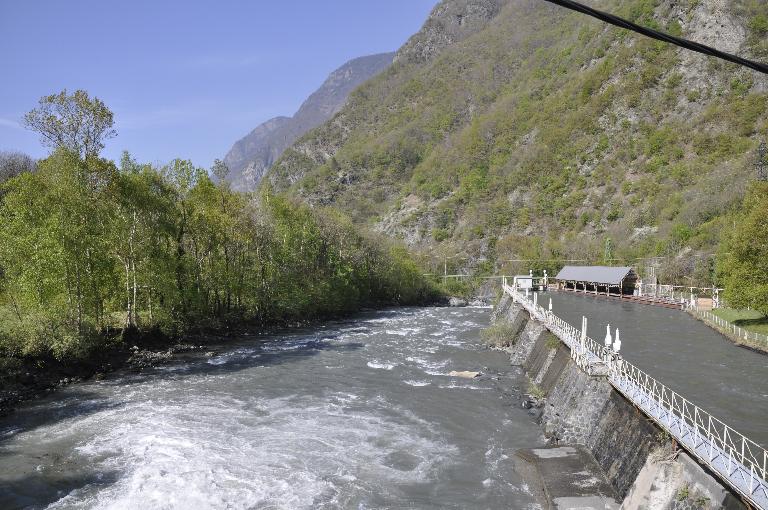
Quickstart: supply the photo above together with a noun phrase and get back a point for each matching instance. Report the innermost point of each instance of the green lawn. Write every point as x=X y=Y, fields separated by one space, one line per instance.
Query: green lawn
x=749 y=320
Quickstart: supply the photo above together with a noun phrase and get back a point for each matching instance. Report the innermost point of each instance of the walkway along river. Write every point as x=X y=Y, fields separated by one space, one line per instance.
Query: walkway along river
x=729 y=381
x=355 y=414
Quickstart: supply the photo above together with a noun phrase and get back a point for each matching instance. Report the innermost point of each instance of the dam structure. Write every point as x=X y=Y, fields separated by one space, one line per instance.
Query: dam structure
x=592 y=380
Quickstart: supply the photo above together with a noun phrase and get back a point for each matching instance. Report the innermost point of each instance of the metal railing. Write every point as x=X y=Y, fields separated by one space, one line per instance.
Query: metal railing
x=731 y=328
x=736 y=459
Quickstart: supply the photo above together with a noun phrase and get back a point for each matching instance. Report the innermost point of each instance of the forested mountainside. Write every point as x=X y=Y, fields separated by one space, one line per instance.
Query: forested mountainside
x=520 y=130
x=250 y=157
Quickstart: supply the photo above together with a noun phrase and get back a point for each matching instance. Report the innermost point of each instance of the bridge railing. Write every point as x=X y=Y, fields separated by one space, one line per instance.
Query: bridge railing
x=719 y=435
x=721 y=439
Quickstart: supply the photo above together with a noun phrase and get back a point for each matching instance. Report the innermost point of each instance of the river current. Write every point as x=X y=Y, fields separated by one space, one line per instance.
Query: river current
x=354 y=414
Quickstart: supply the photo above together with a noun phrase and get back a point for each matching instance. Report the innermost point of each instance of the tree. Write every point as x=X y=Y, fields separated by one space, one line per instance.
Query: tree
x=743 y=261
x=220 y=171
x=76 y=122
x=608 y=251
x=54 y=250
x=13 y=164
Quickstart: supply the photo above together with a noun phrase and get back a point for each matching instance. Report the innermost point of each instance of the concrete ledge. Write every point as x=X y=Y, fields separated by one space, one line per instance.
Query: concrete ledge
x=566 y=478
x=678 y=482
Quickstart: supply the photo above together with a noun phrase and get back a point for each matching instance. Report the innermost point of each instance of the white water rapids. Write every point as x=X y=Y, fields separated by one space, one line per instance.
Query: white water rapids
x=355 y=414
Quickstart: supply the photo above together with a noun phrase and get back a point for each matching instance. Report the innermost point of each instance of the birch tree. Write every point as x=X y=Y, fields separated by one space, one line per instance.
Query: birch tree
x=75 y=121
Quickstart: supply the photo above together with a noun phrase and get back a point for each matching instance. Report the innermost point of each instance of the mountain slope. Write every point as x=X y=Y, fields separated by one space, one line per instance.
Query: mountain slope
x=250 y=157
x=538 y=133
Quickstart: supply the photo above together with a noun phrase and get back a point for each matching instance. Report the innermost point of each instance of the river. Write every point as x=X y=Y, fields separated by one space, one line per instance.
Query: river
x=354 y=414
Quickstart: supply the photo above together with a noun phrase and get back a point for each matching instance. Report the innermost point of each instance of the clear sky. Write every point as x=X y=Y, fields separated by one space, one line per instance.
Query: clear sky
x=185 y=78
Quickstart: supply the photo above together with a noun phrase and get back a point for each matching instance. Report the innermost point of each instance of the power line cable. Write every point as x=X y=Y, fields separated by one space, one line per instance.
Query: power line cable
x=661 y=36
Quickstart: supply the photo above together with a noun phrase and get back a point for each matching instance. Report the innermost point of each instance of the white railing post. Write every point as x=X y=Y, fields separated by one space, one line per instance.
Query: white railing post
x=730 y=460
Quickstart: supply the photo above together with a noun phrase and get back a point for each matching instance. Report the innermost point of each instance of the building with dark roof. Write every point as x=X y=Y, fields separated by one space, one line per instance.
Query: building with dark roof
x=618 y=281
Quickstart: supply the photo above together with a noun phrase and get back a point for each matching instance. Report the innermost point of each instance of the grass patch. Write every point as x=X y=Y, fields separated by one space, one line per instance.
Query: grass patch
x=552 y=342
x=750 y=320
x=536 y=391
x=501 y=334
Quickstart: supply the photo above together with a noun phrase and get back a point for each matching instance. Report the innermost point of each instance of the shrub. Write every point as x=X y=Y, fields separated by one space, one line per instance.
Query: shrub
x=536 y=391
x=500 y=334
x=552 y=342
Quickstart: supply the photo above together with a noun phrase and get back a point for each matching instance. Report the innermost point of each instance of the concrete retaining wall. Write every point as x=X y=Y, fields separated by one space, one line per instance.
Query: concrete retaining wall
x=582 y=410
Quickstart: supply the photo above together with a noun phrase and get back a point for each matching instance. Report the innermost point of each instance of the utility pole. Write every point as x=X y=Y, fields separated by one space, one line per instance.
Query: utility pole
x=762 y=164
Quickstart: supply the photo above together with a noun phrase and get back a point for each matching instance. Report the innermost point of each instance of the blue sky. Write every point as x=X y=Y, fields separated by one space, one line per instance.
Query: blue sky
x=185 y=79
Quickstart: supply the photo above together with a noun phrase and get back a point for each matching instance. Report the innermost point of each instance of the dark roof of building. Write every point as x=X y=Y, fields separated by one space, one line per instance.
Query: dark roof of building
x=594 y=274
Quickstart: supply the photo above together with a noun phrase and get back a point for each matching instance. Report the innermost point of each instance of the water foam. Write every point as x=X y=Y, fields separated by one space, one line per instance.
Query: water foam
x=291 y=453
x=417 y=383
x=380 y=365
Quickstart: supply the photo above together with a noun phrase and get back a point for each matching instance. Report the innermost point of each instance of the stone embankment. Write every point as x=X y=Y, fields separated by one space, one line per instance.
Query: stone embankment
x=638 y=459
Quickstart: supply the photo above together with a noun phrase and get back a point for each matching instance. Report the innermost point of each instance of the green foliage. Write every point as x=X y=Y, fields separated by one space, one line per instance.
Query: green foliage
x=460 y=287
x=13 y=164
x=740 y=87
x=440 y=234
x=743 y=261
x=750 y=320
x=500 y=334
x=536 y=391
x=759 y=25
x=681 y=233
x=87 y=248
x=76 y=122
x=552 y=342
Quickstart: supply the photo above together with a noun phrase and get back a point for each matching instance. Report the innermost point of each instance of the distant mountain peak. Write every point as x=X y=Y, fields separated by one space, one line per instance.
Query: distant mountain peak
x=251 y=156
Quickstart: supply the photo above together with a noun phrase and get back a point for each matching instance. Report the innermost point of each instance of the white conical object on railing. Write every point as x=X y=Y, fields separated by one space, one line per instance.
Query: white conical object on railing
x=617 y=342
x=526 y=292
x=535 y=299
x=608 y=339
x=550 y=304
x=583 y=328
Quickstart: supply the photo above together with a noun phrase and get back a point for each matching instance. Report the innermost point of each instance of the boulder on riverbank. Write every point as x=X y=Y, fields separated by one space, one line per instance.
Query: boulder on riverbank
x=457 y=301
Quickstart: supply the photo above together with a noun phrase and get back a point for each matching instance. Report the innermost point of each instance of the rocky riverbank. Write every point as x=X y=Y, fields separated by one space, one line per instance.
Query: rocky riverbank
x=26 y=378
